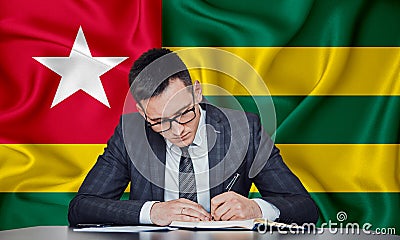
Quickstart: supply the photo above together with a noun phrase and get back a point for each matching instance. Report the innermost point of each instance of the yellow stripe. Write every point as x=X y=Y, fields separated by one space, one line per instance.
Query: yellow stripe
x=321 y=167
x=344 y=167
x=299 y=70
x=45 y=167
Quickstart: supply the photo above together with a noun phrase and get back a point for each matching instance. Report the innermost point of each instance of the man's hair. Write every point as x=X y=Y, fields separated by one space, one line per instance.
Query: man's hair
x=152 y=71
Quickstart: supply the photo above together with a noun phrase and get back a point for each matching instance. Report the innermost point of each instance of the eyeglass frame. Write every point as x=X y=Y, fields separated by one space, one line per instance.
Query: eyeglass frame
x=170 y=120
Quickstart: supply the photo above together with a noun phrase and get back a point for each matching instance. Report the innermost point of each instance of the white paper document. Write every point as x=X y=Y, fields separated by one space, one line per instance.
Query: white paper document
x=250 y=224
x=243 y=224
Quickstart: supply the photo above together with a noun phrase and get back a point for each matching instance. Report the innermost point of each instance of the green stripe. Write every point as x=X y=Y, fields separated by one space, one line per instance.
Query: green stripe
x=29 y=209
x=19 y=210
x=329 y=119
x=39 y=209
x=280 y=23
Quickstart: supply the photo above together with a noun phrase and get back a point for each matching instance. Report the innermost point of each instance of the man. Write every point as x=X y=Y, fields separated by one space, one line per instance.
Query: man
x=187 y=160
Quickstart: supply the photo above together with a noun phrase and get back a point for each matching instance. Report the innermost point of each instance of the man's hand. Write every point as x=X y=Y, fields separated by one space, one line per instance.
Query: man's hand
x=163 y=213
x=233 y=206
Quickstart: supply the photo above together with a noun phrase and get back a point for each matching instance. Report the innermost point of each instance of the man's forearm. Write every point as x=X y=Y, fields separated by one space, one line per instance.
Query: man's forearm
x=93 y=209
x=295 y=208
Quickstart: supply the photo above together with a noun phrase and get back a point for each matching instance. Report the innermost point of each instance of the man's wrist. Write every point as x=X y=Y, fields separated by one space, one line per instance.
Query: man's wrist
x=268 y=210
x=258 y=210
x=144 y=217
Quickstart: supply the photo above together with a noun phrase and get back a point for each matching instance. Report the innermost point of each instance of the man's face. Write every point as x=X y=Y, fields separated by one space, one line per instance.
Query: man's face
x=175 y=100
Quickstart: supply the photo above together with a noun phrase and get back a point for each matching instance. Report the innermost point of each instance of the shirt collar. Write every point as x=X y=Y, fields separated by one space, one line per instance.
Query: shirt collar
x=201 y=133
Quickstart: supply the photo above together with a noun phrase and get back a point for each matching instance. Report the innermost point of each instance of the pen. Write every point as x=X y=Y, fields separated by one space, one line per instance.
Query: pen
x=93 y=225
x=230 y=185
x=232 y=182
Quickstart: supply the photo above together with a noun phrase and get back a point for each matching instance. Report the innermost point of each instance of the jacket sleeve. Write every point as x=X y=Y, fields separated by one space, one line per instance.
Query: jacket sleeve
x=98 y=199
x=277 y=184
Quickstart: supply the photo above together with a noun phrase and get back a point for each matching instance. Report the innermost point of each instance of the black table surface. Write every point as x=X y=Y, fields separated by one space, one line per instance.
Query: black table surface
x=66 y=233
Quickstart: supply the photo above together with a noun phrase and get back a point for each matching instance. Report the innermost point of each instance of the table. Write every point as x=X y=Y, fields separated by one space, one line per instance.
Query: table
x=66 y=233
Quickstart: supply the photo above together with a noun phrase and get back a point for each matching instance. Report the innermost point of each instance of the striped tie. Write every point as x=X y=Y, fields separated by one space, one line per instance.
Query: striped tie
x=187 y=181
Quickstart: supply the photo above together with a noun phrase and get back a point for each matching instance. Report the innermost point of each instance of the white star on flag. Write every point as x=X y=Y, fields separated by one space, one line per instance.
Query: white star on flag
x=80 y=71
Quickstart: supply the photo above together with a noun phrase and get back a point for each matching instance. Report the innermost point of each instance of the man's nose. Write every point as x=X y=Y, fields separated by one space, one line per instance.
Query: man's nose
x=177 y=128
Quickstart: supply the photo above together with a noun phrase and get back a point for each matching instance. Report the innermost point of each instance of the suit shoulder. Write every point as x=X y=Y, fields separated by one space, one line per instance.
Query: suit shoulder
x=131 y=117
x=127 y=121
x=252 y=117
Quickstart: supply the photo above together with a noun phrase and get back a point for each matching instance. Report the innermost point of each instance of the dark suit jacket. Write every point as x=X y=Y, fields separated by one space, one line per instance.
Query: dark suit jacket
x=136 y=154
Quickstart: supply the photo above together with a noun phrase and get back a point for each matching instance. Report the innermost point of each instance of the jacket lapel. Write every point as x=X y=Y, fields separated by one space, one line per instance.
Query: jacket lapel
x=230 y=145
x=216 y=141
x=156 y=159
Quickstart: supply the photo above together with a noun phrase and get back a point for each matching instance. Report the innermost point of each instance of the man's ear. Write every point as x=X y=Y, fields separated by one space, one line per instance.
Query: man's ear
x=140 y=110
x=198 y=91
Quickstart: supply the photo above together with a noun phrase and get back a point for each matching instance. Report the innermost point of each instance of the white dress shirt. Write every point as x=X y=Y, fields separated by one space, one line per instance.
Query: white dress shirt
x=199 y=154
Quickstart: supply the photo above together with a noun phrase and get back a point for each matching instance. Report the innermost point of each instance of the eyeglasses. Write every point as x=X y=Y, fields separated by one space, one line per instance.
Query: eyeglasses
x=166 y=124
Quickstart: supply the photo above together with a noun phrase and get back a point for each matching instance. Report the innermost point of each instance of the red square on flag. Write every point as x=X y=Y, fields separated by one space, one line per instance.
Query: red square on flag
x=49 y=30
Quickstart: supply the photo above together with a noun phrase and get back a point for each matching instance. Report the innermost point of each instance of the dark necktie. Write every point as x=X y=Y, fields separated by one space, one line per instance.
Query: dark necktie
x=187 y=181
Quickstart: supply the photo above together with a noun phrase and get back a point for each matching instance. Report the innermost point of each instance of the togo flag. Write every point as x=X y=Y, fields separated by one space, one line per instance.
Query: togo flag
x=332 y=68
